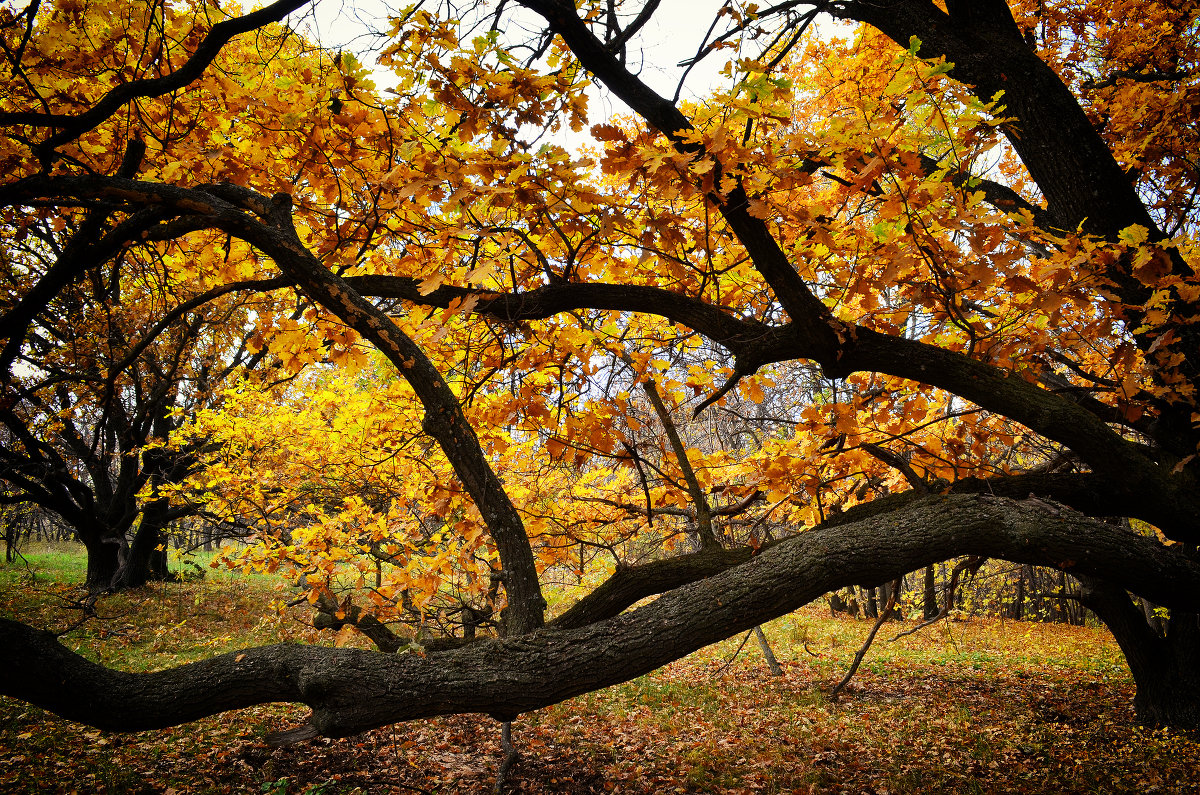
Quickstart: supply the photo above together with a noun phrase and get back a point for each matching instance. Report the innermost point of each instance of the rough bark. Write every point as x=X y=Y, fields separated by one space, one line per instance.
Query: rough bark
x=353 y=690
x=1164 y=668
x=630 y=584
x=769 y=655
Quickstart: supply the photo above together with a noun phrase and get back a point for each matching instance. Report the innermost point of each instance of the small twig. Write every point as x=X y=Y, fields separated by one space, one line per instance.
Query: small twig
x=510 y=757
x=299 y=734
x=739 y=372
x=729 y=662
x=858 y=658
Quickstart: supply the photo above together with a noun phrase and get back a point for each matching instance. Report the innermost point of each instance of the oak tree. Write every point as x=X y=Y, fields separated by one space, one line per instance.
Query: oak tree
x=923 y=291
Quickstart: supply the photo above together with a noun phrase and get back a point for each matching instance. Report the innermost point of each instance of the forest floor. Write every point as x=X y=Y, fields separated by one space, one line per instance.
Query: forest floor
x=969 y=705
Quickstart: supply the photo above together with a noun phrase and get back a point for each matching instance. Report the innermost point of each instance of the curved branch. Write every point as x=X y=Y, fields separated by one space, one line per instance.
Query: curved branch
x=252 y=285
x=1129 y=467
x=713 y=321
x=353 y=690
x=83 y=250
x=802 y=305
x=1000 y=196
x=630 y=584
x=71 y=127
x=266 y=223
x=1083 y=492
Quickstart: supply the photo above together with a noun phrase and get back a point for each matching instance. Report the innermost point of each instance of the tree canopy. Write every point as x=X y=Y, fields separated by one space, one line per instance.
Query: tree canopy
x=918 y=289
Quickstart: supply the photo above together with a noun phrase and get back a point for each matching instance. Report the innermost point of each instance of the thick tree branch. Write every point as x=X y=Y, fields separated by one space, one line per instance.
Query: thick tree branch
x=352 y=690
x=444 y=419
x=805 y=308
x=1084 y=492
x=717 y=323
x=1000 y=196
x=630 y=584
x=1129 y=466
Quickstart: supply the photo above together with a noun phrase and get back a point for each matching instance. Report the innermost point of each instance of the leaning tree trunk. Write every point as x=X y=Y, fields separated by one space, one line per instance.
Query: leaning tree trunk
x=352 y=690
x=1164 y=669
x=147 y=558
x=12 y=539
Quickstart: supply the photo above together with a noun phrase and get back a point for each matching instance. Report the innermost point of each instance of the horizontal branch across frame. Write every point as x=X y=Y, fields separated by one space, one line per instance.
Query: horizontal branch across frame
x=352 y=690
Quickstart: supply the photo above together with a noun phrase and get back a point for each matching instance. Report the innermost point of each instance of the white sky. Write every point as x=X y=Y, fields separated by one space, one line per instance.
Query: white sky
x=673 y=35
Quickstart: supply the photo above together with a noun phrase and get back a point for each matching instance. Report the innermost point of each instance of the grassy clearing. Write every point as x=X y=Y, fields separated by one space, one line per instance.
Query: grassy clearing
x=47 y=562
x=967 y=706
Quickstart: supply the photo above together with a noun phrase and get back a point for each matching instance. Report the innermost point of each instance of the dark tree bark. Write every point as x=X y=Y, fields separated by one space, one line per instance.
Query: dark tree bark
x=1164 y=667
x=871 y=609
x=1017 y=611
x=12 y=533
x=103 y=562
x=147 y=555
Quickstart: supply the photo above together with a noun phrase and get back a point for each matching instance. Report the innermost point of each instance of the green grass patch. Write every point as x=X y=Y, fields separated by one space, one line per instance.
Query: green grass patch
x=62 y=563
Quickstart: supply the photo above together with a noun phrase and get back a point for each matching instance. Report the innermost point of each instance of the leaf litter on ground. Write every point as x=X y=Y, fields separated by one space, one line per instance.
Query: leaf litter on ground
x=972 y=705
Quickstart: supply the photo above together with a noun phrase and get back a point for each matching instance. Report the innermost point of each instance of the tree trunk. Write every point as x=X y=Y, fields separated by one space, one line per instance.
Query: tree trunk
x=1156 y=622
x=1168 y=694
x=872 y=604
x=1018 y=607
x=115 y=565
x=1164 y=669
x=103 y=560
x=147 y=559
x=930 y=595
x=12 y=535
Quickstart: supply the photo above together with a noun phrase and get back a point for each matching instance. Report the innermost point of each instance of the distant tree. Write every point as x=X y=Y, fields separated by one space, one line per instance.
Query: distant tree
x=101 y=374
